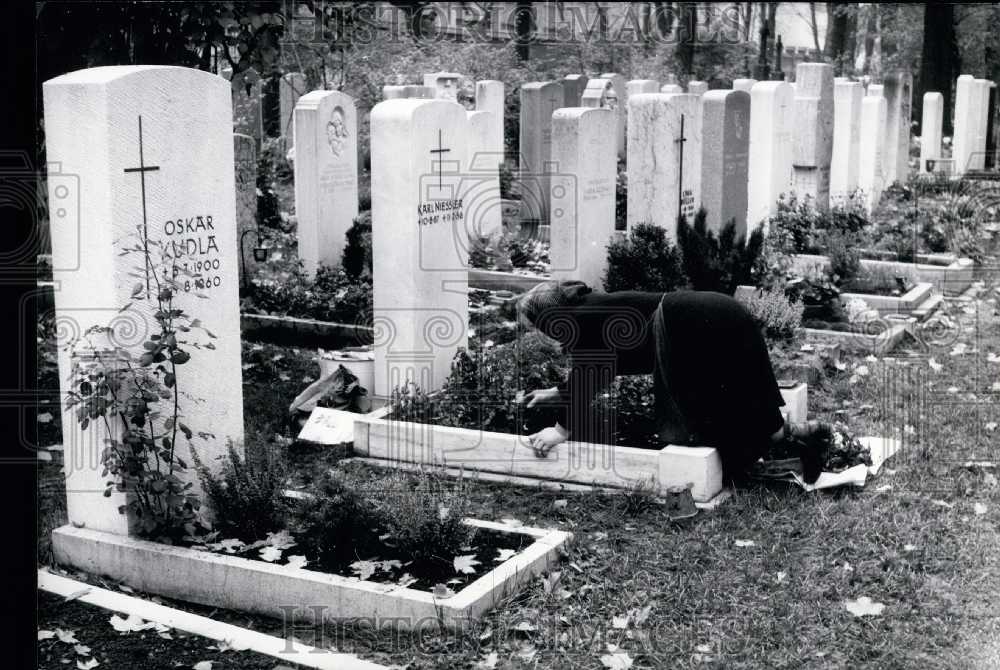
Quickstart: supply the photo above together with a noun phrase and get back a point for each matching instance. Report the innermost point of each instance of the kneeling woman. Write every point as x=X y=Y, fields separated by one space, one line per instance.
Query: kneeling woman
x=712 y=374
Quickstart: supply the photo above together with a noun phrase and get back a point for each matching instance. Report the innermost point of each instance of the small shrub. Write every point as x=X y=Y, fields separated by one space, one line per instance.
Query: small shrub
x=845 y=258
x=327 y=522
x=638 y=497
x=717 y=262
x=774 y=313
x=246 y=495
x=421 y=515
x=357 y=258
x=644 y=261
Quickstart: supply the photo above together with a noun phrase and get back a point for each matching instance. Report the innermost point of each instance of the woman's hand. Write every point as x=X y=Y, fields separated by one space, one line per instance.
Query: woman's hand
x=546 y=439
x=540 y=397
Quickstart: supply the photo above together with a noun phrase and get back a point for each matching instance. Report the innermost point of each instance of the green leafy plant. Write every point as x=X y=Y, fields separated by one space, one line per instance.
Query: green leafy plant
x=331 y=517
x=645 y=260
x=845 y=258
x=357 y=257
x=776 y=315
x=717 y=262
x=136 y=395
x=246 y=494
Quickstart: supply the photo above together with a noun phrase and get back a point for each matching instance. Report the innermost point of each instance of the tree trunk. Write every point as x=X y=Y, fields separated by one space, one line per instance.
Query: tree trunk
x=815 y=28
x=837 y=25
x=687 y=26
x=939 y=65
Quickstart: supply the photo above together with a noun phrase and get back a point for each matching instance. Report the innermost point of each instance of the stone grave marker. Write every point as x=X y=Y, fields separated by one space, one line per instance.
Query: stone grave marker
x=981 y=103
x=392 y=91
x=583 y=193
x=538 y=101
x=445 y=84
x=725 y=146
x=637 y=86
x=991 y=129
x=621 y=104
x=664 y=167
x=813 y=140
x=326 y=176
x=744 y=84
x=847 y=96
x=602 y=94
x=151 y=149
x=573 y=88
x=898 y=87
x=696 y=87
x=671 y=88
x=772 y=105
x=490 y=98
x=420 y=238
x=291 y=88
x=871 y=177
x=481 y=197
x=420 y=92
x=932 y=118
x=245 y=158
x=965 y=124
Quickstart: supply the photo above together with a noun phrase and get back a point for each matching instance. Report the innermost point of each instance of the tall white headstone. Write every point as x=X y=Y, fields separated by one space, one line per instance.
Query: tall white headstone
x=419 y=240
x=664 y=167
x=898 y=87
x=930 y=130
x=538 y=100
x=981 y=108
x=745 y=84
x=291 y=87
x=965 y=124
x=141 y=158
x=490 y=98
x=326 y=175
x=613 y=97
x=671 y=88
x=871 y=175
x=725 y=144
x=696 y=87
x=813 y=143
x=445 y=84
x=847 y=96
x=772 y=105
x=583 y=193
x=481 y=195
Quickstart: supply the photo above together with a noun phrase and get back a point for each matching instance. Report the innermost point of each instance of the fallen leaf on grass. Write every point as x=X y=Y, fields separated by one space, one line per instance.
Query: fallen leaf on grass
x=66 y=636
x=979 y=508
x=745 y=543
x=230 y=645
x=44 y=417
x=202 y=665
x=270 y=554
x=884 y=488
x=43 y=456
x=560 y=504
x=504 y=554
x=489 y=662
x=442 y=591
x=297 y=561
x=132 y=624
x=780 y=577
x=82 y=650
x=619 y=660
x=864 y=606
x=909 y=547
x=45 y=635
x=464 y=564
x=92 y=663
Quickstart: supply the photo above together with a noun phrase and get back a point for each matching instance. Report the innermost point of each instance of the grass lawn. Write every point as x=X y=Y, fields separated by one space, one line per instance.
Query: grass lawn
x=921 y=539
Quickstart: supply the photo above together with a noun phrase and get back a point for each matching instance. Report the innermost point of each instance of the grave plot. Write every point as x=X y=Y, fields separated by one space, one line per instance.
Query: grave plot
x=152 y=407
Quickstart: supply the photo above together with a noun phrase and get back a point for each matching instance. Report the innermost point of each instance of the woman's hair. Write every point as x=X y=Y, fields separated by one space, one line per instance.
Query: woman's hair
x=550 y=295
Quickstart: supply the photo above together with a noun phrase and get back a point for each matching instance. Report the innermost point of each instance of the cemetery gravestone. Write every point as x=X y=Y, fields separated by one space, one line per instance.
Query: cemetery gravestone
x=490 y=98
x=291 y=88
x=696 y=87
x=664 y=167
x=772 y=105
x=930 y=131
x=813 y=142
x=326 y=176
x=392 y=91
x=602 y=94
x=671 y=88
x=991 y=129
x=871 y=179
x=583 y=193
x=744 y=84
x=621 y=104
x=151 y=150
x=573 y=88
x=420 y=280
x=898 y=89
x=847 y=96
x=420 y=92
x=965 y=122
x=444 y=84
x=981 y=102
x=725 y=145
x=637 y=86
x=538 y=101
x=483 y=208
x=245 y=157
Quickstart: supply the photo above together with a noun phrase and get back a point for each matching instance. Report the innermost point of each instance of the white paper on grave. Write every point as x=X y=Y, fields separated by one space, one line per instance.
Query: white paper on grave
x=880 y=449
x=328 y=426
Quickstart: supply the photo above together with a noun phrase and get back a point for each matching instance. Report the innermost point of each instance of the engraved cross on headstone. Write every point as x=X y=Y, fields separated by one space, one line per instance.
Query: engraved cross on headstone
x=440 y=158
x=680 y=167
x=142 y=169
